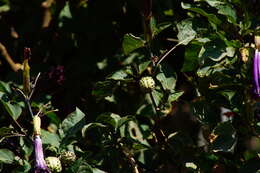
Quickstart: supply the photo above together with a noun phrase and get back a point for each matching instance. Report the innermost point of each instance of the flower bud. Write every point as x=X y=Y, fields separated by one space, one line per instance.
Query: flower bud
x=67 y=157
x=37 y=125
x=147 y=83
x=54 y=164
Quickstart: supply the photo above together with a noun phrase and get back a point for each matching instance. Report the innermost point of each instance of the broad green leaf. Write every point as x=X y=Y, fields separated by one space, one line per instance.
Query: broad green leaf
x=4 y=132
x=225 y=137
x=54 y=118
x=214 y=21
x=168 y=83
x=216 y=51
x=50 y=138
x=26 y=147
x=6 y=156
x=162 y=26
x=191 y=60
x=131 y=43
x=5 y=87
x=186 y=33
x=89 y=126
x=224 y=9
x=109 y=118
x=119 y=75
x=103 y=89
x=14 y=110
x=4 y=8
x=113 y=119
x=135 y=133
x=24 y=167
x=157 y=97
x=72 y=119
x=143 y=66
x=81 y=166
x=229 y=94
x=65 y=12
x=174 y=96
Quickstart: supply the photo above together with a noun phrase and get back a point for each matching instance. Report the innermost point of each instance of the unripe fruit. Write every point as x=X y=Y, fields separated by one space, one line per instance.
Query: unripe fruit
x=147 y=84
x=54 y=164
x=67 y=157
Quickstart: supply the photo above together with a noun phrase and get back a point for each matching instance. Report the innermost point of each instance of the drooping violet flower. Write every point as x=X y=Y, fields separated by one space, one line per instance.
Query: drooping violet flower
x=256 y=68
x=40 y=164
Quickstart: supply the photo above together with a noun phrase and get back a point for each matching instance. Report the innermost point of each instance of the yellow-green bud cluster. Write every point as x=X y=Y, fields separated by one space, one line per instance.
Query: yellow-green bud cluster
x=67 y=157
x=54 y=164
x=147 y=83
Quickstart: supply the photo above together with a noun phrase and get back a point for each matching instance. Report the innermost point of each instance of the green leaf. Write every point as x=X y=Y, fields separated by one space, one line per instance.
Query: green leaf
x=214 y=21
x=174 y=96
x=228 y=94
x=113 y=119
x=143 y=66
x=4 y=132
x=5 y=87
x=119 y=75
x=167 y=78
x=162 y=26
x=186 y=33
x=65 y=12
x=80 y=166
x=4 y=8
x=191 y=61
x=131 y=43
x=54 y=118
x=216 y=51
x=50 y=138
x=72 y=119
x=226 y=138
x=89 y=126
x=103 y=89
x=14 y=109
x=158 y=95
x=6 y=156
x=224 y=9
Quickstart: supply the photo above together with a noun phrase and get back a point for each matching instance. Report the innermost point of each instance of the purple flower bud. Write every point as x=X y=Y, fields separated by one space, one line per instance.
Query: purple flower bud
x=256 y=73
x=40 y=165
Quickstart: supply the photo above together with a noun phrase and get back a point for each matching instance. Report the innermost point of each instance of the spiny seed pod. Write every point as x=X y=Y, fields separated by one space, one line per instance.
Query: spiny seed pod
x=54 y=164
x=67 y=157
x=147 y=83
x=244 y=54
x=37 y=125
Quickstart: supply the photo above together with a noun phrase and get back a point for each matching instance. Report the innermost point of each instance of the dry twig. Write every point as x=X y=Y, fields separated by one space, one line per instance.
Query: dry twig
x=15 y=66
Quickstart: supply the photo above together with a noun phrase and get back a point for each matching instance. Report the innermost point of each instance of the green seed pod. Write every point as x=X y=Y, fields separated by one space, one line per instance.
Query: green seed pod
x=147 y=84
x=54 y=164
x=67 y=157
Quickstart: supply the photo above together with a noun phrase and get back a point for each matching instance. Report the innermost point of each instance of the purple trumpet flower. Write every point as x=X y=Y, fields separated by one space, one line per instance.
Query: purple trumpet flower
x=40 y=165
x=256 y=73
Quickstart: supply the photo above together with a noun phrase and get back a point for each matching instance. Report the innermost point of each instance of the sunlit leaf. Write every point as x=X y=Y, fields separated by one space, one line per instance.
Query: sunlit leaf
x=131 y=43
x=6 y=156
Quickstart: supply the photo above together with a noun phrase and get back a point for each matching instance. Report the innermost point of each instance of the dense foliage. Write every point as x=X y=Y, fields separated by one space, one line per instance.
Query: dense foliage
x=162 y=86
